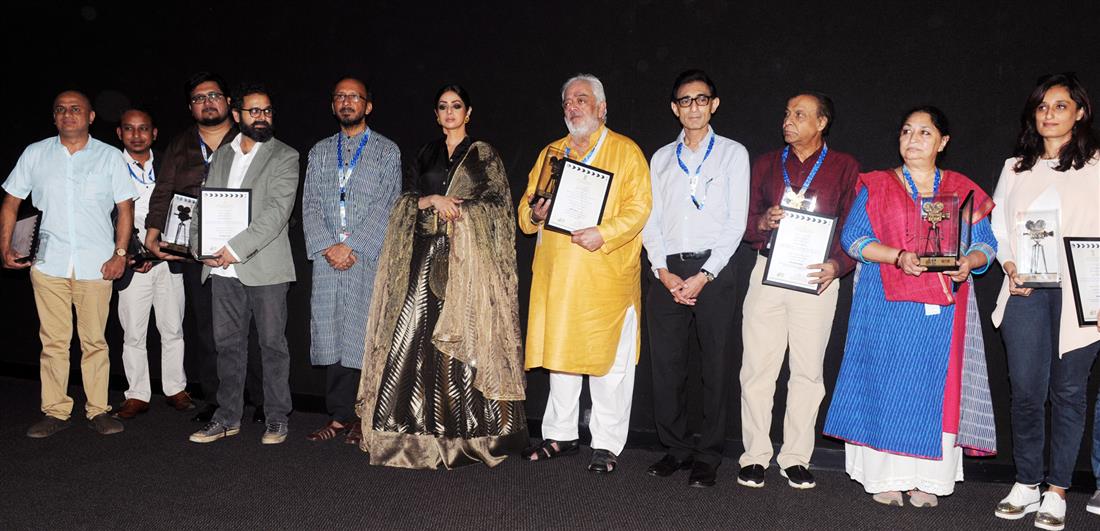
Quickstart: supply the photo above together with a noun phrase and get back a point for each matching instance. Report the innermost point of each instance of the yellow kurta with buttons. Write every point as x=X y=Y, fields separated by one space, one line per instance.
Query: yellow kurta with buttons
x=579 y=298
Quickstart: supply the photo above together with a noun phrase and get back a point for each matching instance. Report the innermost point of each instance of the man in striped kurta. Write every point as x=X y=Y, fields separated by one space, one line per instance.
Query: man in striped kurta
x=352 y=180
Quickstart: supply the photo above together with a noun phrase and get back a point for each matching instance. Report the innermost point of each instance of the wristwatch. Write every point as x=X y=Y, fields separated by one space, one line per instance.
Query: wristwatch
x=120 y=252
x=708 y=274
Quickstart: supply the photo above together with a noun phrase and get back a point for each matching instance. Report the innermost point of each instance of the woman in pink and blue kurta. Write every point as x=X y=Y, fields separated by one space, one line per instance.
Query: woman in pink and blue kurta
x=912 y=389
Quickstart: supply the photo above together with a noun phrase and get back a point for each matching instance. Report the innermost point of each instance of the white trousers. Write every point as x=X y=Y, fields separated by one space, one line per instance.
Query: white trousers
x=161 y=291
x=881 y=471
x=611 y=397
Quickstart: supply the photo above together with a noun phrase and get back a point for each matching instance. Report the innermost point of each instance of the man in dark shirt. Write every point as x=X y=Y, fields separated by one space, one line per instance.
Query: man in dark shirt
x=807 y=174
x=183 y=171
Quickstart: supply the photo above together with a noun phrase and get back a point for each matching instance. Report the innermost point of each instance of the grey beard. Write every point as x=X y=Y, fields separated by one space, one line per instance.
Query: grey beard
x=581 y=132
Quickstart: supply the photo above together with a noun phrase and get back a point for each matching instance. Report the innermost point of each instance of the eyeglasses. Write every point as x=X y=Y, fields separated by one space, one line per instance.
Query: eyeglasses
x=350 y=98
x=701 y=100
x=201 y=98
x=255 y=112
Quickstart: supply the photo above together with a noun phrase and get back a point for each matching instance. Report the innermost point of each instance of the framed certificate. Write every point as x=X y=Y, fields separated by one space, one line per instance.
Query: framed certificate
x=223 y=214
x=801 y=240
x=1037 y=238
x=177 y=230
x=580 y=197
x=26 y=238
x=1084 y=273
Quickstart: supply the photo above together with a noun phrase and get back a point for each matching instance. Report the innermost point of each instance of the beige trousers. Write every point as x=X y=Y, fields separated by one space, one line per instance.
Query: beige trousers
x=55 y=298
x=773 y=319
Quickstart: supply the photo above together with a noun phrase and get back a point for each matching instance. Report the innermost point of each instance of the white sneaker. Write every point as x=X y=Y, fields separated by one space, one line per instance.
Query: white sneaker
x=1052 y=513
x=1021 y=501
x=1094 y=503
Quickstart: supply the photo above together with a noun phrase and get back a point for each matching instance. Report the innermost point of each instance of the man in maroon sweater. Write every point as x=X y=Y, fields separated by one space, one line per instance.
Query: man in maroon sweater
x=810 y=175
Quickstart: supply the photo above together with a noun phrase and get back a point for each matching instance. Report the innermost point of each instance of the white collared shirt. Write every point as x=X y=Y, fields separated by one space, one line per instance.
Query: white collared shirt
x=675 y=225
x=144 y=180
x=237 y=171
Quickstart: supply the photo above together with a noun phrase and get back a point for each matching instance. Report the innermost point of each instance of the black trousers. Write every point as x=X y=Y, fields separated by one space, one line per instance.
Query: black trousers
x=341 y=389
x=202 y=355
x=670 y=325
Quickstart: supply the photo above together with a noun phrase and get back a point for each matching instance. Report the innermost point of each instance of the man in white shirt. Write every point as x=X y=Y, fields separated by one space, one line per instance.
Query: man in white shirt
x=700 y=200
x=250 y=275
x=148 y=286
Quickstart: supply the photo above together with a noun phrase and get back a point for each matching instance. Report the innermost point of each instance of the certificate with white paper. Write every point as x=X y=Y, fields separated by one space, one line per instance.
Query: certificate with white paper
x=801 y=240
x=223 y=214
x=580 y=197
x=1084 y=272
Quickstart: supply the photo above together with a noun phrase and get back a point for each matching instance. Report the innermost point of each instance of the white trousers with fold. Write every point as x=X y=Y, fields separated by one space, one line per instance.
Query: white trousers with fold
x=611 y=393
x=162 y=291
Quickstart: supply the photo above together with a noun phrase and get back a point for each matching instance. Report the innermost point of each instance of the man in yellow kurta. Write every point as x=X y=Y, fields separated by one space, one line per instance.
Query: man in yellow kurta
x=586 y=287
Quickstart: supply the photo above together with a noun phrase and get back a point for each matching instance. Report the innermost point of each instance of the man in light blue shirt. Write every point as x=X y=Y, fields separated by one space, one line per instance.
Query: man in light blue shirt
x=76 y=181
x=700 y=202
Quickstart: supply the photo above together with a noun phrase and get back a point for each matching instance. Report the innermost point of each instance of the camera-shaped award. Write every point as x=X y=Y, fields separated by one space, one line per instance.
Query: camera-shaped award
x=549 y=175
x=940 y=230
x=175 y=238
x=1037 y=238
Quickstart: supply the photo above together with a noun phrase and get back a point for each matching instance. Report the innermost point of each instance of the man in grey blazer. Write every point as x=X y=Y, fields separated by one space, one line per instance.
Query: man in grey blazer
x=251 y=274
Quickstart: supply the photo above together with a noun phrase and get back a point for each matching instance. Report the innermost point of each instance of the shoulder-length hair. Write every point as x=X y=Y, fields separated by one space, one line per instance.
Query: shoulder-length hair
x=1082 y=145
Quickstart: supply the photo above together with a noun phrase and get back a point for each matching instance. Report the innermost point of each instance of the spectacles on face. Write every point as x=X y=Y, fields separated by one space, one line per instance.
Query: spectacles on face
x=701 y=100
x=350 y=98
x=199 y=99
x=255 y=112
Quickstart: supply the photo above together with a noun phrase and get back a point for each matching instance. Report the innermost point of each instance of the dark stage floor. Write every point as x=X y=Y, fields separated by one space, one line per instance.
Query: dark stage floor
x=151 y=477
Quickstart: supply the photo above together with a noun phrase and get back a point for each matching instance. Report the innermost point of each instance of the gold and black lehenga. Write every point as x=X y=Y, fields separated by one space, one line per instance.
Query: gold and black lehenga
x=443 y=381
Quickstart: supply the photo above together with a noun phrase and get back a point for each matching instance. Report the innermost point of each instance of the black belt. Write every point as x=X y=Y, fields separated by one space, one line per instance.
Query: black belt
x=701 y=255
x=765 y=252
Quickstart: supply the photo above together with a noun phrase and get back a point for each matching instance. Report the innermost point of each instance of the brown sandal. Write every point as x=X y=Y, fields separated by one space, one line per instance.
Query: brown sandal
x=328 y=431
x=546 y=450
x=355 y=433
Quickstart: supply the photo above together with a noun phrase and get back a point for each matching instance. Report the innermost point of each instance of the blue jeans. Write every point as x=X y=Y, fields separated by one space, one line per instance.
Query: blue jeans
x=1030 y=333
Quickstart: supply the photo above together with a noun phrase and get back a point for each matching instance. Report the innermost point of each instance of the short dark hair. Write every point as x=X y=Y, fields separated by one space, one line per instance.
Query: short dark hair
x=939 y=118
x=138 y=109
x=824 y=107
x=457 y=89
x=690 y=76
x=1082 y=145
x=199 y=78
x=368 y=97
x=246 y=89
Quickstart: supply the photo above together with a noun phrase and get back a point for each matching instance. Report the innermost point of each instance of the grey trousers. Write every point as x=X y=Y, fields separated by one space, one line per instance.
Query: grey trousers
x=234 y=305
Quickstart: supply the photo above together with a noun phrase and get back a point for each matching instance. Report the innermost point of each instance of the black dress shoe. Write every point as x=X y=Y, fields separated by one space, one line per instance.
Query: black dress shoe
x=751 y=476
x=702 y=475
x=205 y=414
x=667 y=466
x=258 y=416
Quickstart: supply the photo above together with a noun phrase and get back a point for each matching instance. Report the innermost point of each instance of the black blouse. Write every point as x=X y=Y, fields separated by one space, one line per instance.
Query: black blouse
x=433 y=168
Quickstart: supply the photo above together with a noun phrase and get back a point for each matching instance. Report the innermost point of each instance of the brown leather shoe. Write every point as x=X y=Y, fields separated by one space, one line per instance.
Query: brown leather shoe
x=180 y=401
x=355 y=434
x=328 y=431
x=131 y=408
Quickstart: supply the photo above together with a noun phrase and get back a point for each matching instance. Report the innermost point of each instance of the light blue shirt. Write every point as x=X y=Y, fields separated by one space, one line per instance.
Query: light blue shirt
x=675 y=225
x=76 y=193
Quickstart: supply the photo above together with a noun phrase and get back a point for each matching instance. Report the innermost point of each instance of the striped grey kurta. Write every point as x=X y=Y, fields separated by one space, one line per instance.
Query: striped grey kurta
x=340 y=299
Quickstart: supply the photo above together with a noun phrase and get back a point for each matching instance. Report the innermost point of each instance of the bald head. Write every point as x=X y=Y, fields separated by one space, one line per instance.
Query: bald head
x=72 y=114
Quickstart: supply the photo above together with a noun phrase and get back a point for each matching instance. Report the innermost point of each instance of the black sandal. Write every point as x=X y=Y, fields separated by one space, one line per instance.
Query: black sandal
x=545 y=449
x=603 y=462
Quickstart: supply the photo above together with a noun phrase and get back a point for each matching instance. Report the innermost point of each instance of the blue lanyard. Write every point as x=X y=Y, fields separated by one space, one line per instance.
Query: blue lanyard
x=695 y=176
x=915 y=194
x=206 y=153
x=595 y=149
x=345 y=174
x=152 y=178
x=813 y=171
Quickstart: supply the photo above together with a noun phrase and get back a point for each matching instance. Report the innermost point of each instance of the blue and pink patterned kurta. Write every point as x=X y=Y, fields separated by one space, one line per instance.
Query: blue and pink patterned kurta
x=889 y=394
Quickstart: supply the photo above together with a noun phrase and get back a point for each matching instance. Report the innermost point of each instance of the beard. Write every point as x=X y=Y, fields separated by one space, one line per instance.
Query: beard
x=586 y=127
x=260 y=134
x=350 y=119
x=213 y=120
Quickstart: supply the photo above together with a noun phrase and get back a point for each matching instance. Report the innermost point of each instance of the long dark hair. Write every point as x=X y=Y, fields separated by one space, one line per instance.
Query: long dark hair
x=1082 y=145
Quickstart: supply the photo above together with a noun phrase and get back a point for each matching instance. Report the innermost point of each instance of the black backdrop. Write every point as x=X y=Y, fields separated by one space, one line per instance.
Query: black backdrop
x=976 y=60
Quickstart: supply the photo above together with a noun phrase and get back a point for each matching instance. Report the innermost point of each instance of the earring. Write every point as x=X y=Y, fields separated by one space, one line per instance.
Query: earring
x=467 y=120
x=438 y=121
